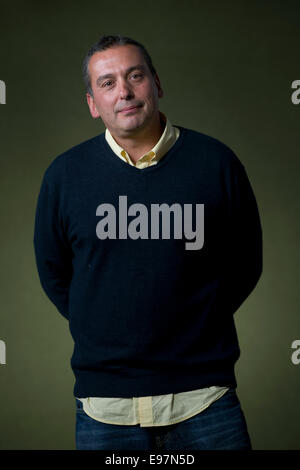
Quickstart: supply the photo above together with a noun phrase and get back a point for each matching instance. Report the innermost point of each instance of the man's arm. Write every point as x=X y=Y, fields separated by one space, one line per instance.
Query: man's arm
x=52 y=252
x=241 y=241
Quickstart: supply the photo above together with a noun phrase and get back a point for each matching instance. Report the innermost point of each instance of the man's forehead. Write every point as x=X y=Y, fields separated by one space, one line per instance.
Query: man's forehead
x=107 y=63
x=115 y=54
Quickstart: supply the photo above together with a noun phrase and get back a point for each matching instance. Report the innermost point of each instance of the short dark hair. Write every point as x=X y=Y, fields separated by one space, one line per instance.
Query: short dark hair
x=105 y=42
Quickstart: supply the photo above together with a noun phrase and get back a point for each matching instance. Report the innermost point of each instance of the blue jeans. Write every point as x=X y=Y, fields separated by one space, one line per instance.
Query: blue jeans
x=221 y=426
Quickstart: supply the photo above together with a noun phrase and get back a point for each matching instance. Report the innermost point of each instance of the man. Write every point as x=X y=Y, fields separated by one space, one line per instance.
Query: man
x=148 y=239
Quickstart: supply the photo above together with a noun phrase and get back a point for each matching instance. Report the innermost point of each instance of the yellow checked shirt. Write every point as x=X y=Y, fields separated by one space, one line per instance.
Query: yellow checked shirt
x=157 y=410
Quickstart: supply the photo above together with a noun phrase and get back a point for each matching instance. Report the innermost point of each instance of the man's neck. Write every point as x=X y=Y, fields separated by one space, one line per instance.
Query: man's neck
x=139 y=145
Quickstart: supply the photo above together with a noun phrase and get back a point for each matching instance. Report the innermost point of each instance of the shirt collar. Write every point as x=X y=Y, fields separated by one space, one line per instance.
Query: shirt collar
x=167 y=139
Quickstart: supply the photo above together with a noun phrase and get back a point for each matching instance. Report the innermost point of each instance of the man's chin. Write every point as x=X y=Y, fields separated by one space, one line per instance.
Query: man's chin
x=132 y=128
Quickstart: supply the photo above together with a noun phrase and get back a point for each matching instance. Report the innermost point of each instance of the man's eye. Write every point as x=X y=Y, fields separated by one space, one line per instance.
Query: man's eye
x=137 y=75
x=109 y=82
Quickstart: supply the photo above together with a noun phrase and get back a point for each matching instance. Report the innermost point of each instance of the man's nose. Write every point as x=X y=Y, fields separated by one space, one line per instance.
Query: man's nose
x=125 y=90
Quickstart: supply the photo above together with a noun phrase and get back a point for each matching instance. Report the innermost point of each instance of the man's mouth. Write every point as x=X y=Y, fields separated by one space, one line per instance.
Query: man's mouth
x=129 y=108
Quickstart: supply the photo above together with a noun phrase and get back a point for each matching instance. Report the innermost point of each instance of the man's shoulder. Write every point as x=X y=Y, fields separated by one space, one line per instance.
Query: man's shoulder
x=79 y=153
x=214 y=148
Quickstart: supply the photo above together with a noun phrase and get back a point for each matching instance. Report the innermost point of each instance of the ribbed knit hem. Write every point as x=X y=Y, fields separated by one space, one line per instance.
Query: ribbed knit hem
x=99 y=384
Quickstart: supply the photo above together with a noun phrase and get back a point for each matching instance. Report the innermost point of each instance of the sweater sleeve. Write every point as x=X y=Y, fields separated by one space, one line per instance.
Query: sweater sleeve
x=52 y=251
x=242 y=240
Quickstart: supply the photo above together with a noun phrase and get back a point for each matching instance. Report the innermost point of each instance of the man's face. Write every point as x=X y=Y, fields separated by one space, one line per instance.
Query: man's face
x=120 y=78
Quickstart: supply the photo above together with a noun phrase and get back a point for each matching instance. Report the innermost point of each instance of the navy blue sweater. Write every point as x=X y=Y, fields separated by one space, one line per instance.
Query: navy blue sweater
x=186 y=229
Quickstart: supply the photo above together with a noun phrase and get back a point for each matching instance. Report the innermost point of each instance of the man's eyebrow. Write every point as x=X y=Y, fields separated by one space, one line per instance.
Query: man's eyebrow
x=110 y=75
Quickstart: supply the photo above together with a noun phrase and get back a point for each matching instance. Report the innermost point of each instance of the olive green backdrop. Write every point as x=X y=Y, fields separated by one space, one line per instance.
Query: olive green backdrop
x=226 y=69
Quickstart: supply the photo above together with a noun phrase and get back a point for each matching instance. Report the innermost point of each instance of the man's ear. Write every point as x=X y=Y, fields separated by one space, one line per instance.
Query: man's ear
x=159 y=88
x=91 y=103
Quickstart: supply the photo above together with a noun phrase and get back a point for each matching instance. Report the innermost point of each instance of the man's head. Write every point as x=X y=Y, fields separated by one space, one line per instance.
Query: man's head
x=118 y=74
